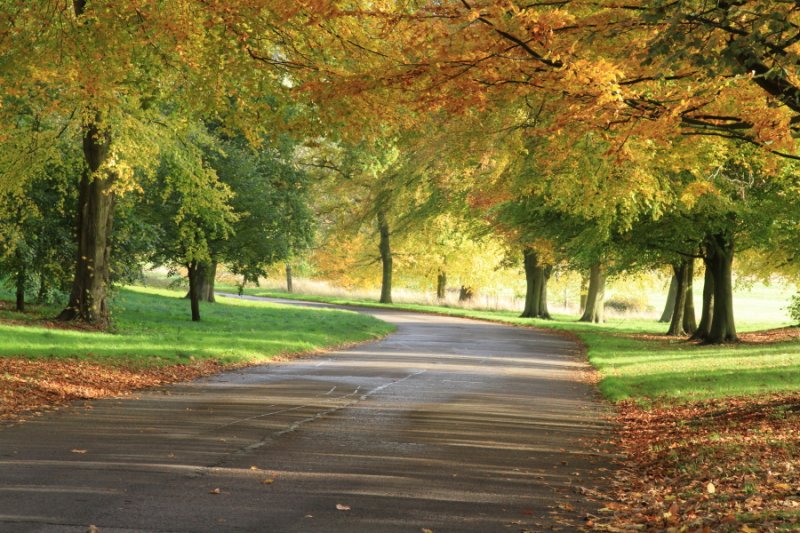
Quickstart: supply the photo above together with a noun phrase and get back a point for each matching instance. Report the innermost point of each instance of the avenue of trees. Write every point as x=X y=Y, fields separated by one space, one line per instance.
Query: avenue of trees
x=431 y=137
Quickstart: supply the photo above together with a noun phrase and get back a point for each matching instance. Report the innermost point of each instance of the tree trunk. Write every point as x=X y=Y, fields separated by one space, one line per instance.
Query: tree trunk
x=441 y=285
x=386 y=258
x=595 y=297
x=205 y=279
x=543 y=311
x=20 y=306
x=465 y=294
x=194 y=288
x=584 y=292
x=669 y=308
x=534 y=277
x=94 y=222
x=288 y=277
x=689 y=318
x=41 y=294
x=720 y=262
x=209 y=282
x=676 y=323
x=704 y=328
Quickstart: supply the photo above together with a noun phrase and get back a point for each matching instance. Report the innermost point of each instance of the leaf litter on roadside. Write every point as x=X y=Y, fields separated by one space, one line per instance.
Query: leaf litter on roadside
x=730 y=465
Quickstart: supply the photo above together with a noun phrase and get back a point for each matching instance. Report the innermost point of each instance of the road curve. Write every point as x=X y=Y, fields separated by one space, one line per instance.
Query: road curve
x=449 y=424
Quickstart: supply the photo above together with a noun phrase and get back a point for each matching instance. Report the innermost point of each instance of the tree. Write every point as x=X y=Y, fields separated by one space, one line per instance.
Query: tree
x=35 y=231
x=189 y=207
x=536 y=277
x=595 y=297
x=117 y=67
x=270 y=197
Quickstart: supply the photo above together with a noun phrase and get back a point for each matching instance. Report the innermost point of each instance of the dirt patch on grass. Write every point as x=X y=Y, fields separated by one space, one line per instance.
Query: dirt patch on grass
x=768 y=336
x=29 y=386
x=722 y=465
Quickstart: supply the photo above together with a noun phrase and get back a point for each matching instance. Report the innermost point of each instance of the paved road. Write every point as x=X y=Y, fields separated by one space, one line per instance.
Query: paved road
x=449 y=424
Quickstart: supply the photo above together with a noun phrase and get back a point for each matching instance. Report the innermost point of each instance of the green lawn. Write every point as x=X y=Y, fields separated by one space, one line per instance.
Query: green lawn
x=646 y=370
x=153 y=326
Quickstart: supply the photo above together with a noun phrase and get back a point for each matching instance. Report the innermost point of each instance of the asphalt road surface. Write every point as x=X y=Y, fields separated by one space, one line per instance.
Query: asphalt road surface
x=448 y=425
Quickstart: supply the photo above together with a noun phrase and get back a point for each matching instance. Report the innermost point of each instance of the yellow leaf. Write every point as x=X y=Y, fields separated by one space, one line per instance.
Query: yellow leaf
x=710 y=488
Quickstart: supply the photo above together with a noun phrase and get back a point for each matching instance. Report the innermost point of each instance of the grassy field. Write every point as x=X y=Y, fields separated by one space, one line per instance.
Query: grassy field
x=152 y=326
x=651 y=369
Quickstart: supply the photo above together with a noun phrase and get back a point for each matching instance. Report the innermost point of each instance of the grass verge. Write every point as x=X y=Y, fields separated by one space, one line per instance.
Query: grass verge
x=153 y=342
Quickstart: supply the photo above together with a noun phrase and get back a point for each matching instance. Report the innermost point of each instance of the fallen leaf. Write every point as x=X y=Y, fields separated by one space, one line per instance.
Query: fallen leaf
x=710 y=488
x=426 y=530
x=76 y=450
x=215 y=491
x=342 y=507
x=267 y=481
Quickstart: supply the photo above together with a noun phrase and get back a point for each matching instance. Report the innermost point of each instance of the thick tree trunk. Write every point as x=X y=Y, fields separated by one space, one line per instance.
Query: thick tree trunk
x=94 y=223
x=465 y=294
x=194 y=270
x=386 y=258
x=676 y=323
x=720 y=262
x=534 y=277
x=595 y=297
x=441 y=285
x=584 y=292
x=669 y=307
x=704 y=328
x=689 y=318
x=20 y=304
x=288 y=277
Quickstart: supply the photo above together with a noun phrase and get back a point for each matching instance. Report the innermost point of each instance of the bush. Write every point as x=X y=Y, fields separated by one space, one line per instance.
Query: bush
x=794 y=308
x=628 y=304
